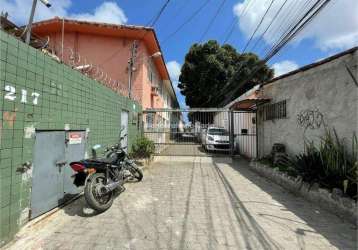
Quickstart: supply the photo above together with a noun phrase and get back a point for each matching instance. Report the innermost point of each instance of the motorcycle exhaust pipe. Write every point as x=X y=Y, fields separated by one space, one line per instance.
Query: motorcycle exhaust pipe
x=112 y=186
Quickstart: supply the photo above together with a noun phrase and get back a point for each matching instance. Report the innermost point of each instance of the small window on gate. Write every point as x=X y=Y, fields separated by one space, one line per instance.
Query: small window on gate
x=275 y=111
x=244 y=131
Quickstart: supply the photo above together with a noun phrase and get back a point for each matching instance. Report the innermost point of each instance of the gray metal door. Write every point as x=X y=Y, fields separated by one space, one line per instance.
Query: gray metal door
x=47 y=179
x=75 y=151
x=52 y=182
x=124 y=127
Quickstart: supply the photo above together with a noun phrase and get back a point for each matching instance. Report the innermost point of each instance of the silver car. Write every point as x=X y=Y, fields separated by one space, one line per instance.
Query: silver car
x=217 y=139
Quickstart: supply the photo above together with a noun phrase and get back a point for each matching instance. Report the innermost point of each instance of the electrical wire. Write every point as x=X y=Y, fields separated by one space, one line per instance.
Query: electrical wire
x=315 y=9
x=306 y=18
x=152 y=22
x=156 y=18
x=292 y=17
x=212 y=20
x=288 y=35
x=269 y=26
x=233 y=22
x=259 y=24
x=188 y=20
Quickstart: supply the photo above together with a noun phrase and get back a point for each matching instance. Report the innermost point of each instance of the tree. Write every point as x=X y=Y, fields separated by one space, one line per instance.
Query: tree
x=213 y=75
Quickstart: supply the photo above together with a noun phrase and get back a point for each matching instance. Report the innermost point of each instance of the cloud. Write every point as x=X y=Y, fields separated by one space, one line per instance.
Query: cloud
x=19 y=11
x=174 y=70
x=336 y=27
x=107 y=12
x=284 y=67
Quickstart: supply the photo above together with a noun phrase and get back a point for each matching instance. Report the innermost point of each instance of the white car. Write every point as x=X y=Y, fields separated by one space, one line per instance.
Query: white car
x=217 y=139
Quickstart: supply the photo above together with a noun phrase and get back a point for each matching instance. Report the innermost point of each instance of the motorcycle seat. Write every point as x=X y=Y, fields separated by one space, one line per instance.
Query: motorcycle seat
x=101 y=161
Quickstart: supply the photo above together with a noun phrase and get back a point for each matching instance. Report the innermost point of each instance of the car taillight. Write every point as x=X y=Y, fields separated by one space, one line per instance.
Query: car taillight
x=78 y=167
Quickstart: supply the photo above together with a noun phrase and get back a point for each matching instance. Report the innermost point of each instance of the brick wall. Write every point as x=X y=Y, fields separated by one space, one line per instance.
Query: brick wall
x=48 y=96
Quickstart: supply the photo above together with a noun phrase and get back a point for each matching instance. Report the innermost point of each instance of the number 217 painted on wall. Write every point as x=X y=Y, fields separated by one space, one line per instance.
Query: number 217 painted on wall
x=11 y=95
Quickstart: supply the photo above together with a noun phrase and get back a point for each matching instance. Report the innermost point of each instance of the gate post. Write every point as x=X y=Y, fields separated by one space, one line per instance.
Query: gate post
x=257 y=133
x=231 y=132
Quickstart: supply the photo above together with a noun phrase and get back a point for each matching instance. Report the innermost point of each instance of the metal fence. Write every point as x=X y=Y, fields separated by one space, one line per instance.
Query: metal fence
x=201 y=132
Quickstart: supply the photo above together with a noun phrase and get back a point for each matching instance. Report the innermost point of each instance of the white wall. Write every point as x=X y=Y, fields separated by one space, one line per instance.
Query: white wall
x=244 y=144
x=327 y=88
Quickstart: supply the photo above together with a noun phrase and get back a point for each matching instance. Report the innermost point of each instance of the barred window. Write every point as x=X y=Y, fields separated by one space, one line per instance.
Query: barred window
x=275 y=111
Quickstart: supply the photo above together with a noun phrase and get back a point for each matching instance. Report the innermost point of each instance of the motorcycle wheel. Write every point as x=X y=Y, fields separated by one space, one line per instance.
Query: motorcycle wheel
x=136 y=172
x=93 y=199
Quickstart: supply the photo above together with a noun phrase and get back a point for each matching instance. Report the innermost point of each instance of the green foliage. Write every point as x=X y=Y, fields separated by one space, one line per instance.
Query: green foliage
x=143 y=148
x=331 y=163
x=209 y=67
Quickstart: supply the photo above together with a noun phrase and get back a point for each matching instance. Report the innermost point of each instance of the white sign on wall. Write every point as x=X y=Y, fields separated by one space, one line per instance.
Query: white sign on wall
x=74 y=138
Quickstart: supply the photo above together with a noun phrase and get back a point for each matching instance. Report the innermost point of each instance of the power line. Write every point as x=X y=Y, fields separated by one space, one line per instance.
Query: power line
x=156 y=18
x=307 y=17
x=288 y=35
x=196 y=12
x=268 y=27
x=152 y=22
x=241 y=15
x=212 y=20
x=258 y=26
x=292 y=7
x=315 y=9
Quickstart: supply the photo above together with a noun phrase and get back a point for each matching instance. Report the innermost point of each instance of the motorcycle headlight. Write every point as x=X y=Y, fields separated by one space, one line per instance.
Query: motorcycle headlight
x=210 y=138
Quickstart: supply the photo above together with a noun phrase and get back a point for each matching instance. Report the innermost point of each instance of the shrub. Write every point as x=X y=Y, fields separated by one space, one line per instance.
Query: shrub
x=143 y=148
x=330 y=163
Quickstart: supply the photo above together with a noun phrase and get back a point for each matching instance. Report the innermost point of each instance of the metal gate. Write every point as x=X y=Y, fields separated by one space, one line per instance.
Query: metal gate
x=201 y=132
x=51 y=181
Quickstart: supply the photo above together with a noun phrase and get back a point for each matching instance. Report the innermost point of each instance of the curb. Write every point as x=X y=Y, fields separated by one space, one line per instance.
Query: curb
x=333 y=202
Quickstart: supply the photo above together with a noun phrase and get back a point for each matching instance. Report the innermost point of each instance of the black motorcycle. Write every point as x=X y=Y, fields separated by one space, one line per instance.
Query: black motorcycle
x=103 y=177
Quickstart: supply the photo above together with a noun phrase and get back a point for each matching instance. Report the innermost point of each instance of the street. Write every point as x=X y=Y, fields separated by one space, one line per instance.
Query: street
x=206 y=203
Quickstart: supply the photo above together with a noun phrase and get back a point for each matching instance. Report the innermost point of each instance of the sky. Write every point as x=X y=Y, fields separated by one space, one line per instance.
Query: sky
x=335 y=29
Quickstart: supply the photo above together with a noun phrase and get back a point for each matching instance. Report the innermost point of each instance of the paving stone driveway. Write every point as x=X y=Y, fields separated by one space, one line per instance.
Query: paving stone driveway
x=194 y=205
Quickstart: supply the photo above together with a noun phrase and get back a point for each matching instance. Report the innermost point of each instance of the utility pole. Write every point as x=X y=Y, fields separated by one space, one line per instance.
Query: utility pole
x=131 y=68
x=31 y=18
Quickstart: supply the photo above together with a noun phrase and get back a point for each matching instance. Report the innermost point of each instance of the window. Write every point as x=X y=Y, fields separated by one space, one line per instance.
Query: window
x=149 y=120
x=275 y=111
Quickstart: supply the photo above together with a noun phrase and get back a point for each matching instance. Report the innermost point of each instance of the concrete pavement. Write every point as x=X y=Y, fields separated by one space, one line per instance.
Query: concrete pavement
x=194 y=204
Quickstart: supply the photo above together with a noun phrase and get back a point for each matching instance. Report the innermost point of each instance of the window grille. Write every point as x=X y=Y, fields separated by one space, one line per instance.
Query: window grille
x=275 y=111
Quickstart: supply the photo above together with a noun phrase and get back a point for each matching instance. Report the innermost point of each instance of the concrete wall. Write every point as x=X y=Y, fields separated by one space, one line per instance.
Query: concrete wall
x=65 y=99
x=325 y=89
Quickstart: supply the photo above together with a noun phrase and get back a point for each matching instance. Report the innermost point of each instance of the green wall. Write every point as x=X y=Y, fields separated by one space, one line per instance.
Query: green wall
x=66 y=99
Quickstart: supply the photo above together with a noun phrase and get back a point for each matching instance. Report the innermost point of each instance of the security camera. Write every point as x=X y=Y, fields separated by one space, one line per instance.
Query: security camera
x=46 y=2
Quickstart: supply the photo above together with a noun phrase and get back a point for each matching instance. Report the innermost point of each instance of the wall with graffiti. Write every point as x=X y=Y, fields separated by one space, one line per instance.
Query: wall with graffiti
x=320 y=96
x=39 y=93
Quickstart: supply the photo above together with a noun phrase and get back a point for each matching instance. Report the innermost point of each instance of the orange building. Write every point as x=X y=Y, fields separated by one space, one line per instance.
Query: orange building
x=102 y=51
